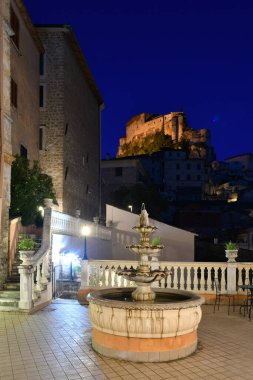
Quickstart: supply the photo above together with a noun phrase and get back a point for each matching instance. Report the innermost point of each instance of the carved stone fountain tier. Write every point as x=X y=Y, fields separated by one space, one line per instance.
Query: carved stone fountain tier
x=143 y=325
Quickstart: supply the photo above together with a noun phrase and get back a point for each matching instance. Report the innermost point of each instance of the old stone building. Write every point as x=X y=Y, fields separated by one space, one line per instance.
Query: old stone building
x=173 y=124
x=26 y=48
x=70 y=107
x=5 y=134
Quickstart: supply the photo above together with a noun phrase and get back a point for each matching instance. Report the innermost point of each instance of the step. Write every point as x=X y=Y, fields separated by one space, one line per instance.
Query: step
x=9 y=302
x=11 y=286
x=11 y=294
x=13 y=278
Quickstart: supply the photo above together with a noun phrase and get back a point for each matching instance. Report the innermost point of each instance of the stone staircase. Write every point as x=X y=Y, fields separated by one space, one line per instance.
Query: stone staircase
x=10 y=294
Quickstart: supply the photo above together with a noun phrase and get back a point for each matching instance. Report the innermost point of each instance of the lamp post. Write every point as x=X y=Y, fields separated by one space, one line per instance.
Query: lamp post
x=85 y=231
x=130 y=207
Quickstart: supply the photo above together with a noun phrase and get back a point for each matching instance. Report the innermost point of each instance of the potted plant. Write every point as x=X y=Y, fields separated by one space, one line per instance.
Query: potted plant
x=26 y=247
x=231 y=250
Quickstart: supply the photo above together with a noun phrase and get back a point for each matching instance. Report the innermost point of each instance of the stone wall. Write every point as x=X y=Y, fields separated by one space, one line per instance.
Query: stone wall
x=25 y=72
x=5 y=137
x=71 y=120
x=52 y=114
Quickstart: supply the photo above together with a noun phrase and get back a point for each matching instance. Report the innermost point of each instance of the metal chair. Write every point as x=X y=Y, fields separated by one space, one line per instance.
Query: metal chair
x=219 y=294
x=247 y=305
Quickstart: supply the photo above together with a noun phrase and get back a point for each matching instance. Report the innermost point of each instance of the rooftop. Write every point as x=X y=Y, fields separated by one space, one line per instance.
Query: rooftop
x=55 y=343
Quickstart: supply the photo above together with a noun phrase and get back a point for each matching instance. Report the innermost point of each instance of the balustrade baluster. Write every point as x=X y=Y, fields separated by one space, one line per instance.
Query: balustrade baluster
x=223 y=280
x=39 y=286
x=202 y=279
x=107 y=273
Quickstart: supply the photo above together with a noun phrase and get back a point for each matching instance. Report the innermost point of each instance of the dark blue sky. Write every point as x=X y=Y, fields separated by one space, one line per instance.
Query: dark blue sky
x=162 y=56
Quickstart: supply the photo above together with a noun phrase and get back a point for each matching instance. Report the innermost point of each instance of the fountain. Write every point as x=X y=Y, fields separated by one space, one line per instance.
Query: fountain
x=144 y=325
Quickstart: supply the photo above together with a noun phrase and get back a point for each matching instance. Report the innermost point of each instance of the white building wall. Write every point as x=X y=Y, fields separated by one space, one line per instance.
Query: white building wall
x=179 y=244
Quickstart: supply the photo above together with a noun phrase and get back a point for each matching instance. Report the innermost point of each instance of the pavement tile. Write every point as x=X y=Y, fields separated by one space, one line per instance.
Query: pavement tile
x=55 y=344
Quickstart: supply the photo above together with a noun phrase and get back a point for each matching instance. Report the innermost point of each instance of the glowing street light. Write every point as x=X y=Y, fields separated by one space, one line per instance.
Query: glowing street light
x=85 y=231
x=130 y=207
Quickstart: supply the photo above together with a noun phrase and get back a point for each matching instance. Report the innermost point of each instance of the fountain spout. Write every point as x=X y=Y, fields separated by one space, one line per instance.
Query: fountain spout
x=144 y=222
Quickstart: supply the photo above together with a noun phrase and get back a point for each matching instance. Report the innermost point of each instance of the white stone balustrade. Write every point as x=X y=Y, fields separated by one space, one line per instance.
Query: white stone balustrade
x=69 y=225
x=193 y=276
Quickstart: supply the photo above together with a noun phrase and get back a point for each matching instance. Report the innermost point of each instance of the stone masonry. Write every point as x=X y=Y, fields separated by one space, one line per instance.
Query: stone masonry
x=70 y=120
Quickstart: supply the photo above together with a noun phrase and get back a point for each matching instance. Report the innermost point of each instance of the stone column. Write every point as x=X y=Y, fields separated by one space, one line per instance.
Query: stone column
x=84 y=288
x=26 y=287
x=231 y=277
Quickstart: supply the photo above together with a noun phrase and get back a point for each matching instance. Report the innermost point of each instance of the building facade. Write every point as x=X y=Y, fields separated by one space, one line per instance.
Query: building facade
x=70 y=107
x=5 y=134
x=26 y=48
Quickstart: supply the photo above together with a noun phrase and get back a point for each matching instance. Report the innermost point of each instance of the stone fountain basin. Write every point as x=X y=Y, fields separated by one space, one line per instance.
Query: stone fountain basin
x=145 y=249
x=160 y=330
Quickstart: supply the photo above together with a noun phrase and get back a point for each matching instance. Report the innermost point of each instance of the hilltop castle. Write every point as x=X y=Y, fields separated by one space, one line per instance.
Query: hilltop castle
x=173 y=124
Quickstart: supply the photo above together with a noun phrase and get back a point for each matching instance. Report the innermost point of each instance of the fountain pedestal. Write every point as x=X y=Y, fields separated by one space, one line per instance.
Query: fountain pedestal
x=144 y=325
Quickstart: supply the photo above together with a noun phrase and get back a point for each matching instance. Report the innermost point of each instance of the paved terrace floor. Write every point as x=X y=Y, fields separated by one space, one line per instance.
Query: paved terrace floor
x=55 y=343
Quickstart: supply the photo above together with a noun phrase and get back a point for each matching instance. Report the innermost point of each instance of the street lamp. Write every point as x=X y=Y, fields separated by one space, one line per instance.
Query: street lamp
x=130 y=207
x=85 y=231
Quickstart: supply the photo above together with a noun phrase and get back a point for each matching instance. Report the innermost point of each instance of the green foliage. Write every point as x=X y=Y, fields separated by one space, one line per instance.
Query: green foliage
x=26 y=244
x=230 y=246
x=147 y=145
x=29 y=186
x=155 y=241
x=138 y=194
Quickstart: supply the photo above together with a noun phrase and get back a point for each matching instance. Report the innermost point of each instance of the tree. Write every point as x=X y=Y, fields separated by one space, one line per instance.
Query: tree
x=29 y=186
x=147 y=145
x=156 y=205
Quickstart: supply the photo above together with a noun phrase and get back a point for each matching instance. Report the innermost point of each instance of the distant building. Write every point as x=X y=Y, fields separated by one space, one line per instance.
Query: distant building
x=173 y=124
x=245 y=160
x=170 y=171
x=116 y=173
x=70 y=107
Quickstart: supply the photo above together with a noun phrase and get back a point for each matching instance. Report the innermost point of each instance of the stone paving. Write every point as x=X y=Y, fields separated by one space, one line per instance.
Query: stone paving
x=55 y=343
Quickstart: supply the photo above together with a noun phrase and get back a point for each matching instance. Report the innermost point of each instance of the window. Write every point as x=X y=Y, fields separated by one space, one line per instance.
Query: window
x=118 y=172
x=42 y=96
x=41 y=138
x=42 y=64
x=15 y=27
x=66 y=173
x=23 y=151
x=14 y=93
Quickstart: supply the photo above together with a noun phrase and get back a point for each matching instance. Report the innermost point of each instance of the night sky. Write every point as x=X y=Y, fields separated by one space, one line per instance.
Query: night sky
x=160 y=56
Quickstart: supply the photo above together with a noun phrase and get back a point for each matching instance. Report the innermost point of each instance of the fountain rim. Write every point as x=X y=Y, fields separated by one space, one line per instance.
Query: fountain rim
x=193 y=301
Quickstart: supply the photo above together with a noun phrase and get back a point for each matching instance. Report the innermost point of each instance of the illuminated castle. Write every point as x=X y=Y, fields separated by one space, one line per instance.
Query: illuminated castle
x=173 y=124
